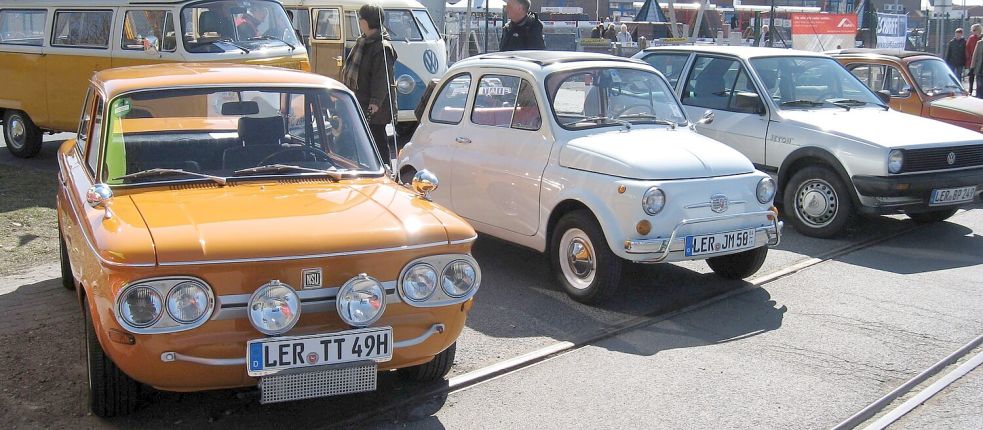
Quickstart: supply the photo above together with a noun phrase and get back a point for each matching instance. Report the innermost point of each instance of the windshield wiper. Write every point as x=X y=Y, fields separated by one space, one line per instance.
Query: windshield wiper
x=651 y=118
x=280 y=168
x=598 y=119
x=230 y=42
x=167 y=172
x=801 y=103
x=846 y=103
x=268 y=37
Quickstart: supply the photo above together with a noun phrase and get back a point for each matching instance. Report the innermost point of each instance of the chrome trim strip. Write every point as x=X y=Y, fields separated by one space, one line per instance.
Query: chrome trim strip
x=664 y=247
x=434 y=329
x=463 y=241
x=234 y=306
x=708 y=204
x=304 y=257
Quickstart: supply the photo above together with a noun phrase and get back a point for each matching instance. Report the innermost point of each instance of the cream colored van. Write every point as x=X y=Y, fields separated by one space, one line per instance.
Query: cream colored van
x=49 y=50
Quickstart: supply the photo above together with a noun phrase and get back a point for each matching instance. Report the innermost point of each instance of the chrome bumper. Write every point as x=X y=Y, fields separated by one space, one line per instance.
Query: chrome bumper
x=170 y=356
x=662 y=248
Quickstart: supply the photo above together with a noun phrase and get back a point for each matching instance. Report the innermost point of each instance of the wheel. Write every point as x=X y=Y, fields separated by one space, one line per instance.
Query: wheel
x=581 y=259
x=67 y=279
x=406 y=176
x=933 y=216
x=111 y=392
x=22 y=136
x=818 y=203
x=434 y=370
x=739 y=265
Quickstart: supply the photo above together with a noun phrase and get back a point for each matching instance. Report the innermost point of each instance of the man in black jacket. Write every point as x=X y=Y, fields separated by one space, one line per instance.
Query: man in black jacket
x=955 y=54
x=523 y=31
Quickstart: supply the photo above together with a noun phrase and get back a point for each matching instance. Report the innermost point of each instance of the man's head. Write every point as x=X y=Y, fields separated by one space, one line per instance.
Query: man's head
x=517 y=10
x=624 y=28
x=976 y=29
x=370 y=17
x=959 y=33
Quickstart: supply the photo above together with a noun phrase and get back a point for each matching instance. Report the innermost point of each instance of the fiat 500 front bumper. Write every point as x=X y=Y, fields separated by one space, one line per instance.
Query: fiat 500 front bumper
x=673 y=248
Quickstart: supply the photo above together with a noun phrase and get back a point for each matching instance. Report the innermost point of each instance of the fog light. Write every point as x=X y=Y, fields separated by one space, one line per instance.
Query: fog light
x=361 y=301
x=643 y=227
x=274 y=308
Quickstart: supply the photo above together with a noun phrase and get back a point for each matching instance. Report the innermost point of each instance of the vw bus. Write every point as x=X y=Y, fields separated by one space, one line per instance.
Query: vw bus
x=420 y=50
x=50 y=48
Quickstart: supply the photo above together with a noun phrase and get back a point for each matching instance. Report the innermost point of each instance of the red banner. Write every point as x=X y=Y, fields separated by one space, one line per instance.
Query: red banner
x=824 y=23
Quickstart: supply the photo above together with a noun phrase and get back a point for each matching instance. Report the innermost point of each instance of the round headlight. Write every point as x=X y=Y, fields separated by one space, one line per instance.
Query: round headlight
x=766 y=190
x=361 y=301
x=274 y=308
x=141 y=306
x=895 y=160
x=405 y=84
x=419 y=282
x=188 y=302
x=459 y=278
x=653 y=201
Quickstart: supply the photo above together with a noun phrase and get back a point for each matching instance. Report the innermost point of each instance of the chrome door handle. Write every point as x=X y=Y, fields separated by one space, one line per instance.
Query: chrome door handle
x=462 y=140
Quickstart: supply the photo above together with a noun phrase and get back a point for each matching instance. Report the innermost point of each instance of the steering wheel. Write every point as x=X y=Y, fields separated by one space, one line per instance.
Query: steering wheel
x=313 y=151
x=641 y=108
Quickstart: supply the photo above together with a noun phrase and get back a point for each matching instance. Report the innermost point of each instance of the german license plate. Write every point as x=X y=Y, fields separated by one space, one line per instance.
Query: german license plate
x=267 y=356
x=719 y=242
x=948 y=196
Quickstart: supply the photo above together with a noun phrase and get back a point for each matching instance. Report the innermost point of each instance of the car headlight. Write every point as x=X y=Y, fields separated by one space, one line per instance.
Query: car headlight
x=188 y=302
x=274 y=308
x=361 y=301
x=141 y=306
x=766 y=190
x=895 y=160
x=419 y=282
x=458 y=278
x=405 y=84
x=653 y=201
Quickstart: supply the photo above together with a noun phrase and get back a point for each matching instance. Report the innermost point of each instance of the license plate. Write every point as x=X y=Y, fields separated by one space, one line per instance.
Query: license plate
x=948 y=196
x=266 y=356
x=719 y=242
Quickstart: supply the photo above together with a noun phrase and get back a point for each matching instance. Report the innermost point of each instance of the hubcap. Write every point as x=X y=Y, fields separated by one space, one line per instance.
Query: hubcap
x=17 y=132
x=816 y=203
x=578 y=263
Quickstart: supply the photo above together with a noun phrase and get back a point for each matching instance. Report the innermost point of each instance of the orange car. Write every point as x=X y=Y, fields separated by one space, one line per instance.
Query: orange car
x=229 y=226
x=918 y=83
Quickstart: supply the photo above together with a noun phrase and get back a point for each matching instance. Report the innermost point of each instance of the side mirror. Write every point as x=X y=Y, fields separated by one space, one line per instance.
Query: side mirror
x=424 y=182
x=884 y=95
x=707 y=118
x=151 y=45
x=97 y=196
x=749 y=102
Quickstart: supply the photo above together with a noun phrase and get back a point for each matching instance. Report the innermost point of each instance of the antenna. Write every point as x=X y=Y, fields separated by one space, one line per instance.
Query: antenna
x=391 y=100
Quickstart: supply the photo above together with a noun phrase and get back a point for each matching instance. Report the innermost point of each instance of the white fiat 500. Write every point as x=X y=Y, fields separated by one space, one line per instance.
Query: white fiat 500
x=836 y=147
x=590 y=158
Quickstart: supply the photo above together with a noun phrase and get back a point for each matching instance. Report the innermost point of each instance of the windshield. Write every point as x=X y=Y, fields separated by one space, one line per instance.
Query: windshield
x=236 y=25
x=401 y=25
x=811 y=82
x=426 y=23
x=933 y=77
x=219 y=131
x=598 y=97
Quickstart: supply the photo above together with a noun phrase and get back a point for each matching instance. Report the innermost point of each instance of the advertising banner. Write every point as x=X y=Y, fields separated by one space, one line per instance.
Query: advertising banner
x=822 y=32
x=891 y=30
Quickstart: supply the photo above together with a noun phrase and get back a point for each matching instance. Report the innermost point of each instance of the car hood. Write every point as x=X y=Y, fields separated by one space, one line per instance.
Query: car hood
x=653 y=154
x=885 y=128
x=256 y=220
x=957 y=108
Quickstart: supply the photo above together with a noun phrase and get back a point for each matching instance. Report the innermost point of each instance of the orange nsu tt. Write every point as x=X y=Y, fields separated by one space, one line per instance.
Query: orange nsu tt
x=229 y=226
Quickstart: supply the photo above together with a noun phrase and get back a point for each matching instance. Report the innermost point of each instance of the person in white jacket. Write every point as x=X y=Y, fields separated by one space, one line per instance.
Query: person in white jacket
x=624 y=36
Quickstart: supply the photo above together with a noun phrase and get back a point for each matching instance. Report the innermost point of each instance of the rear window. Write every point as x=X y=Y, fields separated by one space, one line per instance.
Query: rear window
x=82 y=29
x=22 y=27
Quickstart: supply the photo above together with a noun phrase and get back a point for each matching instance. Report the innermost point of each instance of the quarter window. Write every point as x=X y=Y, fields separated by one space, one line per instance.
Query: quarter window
x=872 y=75
x=92 y=154
x=141 y=24
x=671 y=65
x=328 y=25
x=82 y=29
x=83 y=131
x=22 y=27
x=448 y=106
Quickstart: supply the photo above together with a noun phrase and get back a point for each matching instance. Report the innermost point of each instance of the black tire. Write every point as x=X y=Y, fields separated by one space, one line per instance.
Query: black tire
x=22 y=137
x=739 y=265
x=597 y=277
x=67 y=279
x=434 y=370
x=826 y=194
x=933 y=216
x=406 y=176
x=111 y=392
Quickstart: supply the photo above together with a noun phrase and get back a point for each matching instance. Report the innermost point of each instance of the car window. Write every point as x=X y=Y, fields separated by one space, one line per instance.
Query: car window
x=711 y=82
x=426 y=24
x=896 y=83
x=494 y=102
x=743 y=96
x=22 y=27
x=301 y=20
x=402 y=25
x=810 y=82
x=140 y=24
x=215 y=26
x=604 y=97
x=82 y=137
x=934 y=77
x=872 y=75
x=351 y=26
x=671 y=65
x=328 y=25
x=527 y=115
x=92 y=154
x=82 y=29
x=448 y=106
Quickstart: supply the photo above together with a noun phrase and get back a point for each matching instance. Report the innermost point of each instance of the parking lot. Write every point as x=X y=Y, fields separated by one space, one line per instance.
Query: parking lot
x=824 y=329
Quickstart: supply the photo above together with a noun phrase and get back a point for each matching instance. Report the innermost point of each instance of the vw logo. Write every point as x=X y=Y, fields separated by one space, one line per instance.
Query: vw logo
x=951 y=158
x=719 y=203
x=430 y=61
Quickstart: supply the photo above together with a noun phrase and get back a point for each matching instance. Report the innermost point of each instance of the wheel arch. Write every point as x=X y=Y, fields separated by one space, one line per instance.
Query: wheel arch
x=562 y=208
x=812 y=156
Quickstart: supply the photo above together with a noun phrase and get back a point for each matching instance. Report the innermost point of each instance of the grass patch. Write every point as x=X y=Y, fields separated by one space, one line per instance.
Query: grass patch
x=28 y=222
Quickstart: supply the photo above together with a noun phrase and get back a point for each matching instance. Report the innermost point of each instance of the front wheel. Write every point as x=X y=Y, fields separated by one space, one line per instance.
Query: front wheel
x=739 y=265
x=111 y=392
x=581 y=259
x=932 y=217
x=817 y=202
x=22 y=136
x=433 y=370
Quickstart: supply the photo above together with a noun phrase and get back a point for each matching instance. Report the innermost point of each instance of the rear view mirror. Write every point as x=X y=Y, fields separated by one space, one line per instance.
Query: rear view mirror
x=748 y=102
x=240 y=108
x=884 y=95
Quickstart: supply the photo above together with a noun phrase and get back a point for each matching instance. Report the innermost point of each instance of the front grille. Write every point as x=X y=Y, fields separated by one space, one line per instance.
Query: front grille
x=309 y=384
x=921 y=160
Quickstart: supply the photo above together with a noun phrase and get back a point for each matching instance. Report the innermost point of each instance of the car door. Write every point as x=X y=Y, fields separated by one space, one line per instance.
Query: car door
x=436 y=139
x=327 y=44
x=500 y=156
x=722 y=85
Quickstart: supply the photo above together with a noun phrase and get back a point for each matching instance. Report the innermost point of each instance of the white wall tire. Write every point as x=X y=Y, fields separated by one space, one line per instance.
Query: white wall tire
x=581 y=259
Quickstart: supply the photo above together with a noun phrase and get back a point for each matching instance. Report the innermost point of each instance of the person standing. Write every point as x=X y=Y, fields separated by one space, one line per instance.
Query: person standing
x=610 y=33
x=368 y=72
x=624 y=36
x=955 y=54
x=970 y=50
x=976 y=68
x=523 y=31
x=764 y=36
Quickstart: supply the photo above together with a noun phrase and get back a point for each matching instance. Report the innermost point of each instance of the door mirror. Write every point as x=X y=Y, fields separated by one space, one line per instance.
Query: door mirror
x=749 y=102
x=885 y=96
x=707 y=118
x=97 y=196
x=424 y=182
x=151 y=45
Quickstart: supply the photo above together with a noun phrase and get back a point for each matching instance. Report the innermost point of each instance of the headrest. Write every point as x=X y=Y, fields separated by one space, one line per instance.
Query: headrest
x=261 y=131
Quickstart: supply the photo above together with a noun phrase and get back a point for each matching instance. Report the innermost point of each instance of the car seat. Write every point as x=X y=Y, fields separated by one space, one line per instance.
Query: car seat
x=260 y=137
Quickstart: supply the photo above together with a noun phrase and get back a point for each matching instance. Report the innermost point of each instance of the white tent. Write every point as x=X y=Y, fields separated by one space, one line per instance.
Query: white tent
x=477 y=6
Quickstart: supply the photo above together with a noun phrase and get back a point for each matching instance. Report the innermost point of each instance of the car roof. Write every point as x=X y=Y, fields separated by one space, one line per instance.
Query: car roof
x=157 y=76
x=739 y=51
x=386 y=4
x=868 y=52
x=534 y=61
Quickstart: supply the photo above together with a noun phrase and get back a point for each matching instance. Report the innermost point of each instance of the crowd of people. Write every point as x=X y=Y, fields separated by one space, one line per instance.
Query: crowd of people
x=965 y=55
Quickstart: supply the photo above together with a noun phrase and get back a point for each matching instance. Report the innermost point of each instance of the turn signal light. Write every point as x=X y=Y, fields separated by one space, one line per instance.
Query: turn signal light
x=120 y=337
x=644 y=227
x=305 y=66
x=774 y=210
